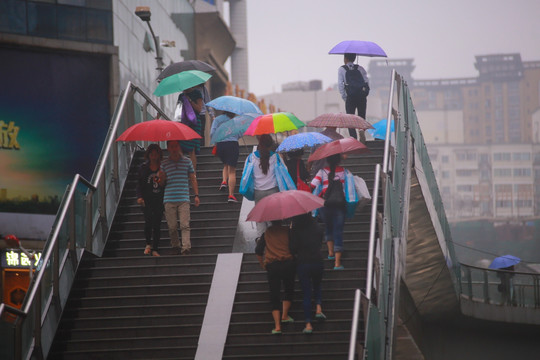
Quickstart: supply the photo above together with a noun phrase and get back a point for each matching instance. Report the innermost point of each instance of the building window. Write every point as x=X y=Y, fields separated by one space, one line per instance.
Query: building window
x=445 y=158
x=465 y=188
x=501 y=157
x=465 y=172
x=446 y=174
x=521 y=156
x=502 y=172
x=521 y=172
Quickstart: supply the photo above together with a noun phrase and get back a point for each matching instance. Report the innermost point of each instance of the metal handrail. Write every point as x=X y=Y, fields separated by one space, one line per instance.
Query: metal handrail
x=32 y=300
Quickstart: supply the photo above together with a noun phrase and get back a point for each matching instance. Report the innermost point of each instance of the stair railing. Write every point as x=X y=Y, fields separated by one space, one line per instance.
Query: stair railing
x=384 y=272
x=82 y=224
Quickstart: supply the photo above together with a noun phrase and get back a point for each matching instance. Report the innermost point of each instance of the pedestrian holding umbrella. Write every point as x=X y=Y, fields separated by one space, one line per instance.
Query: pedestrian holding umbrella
x=235 y=127
x=353 y=82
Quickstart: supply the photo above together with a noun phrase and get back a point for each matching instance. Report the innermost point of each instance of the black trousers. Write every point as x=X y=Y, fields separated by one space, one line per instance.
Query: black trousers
x=153 y=213
x=354 y=105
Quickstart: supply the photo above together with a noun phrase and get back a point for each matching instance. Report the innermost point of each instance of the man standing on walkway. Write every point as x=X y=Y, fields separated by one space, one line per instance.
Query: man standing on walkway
x=354 y=89
x=176 y=171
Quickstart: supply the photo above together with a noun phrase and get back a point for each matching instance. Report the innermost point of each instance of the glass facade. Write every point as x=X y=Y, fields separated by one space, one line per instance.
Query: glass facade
x=78 y=20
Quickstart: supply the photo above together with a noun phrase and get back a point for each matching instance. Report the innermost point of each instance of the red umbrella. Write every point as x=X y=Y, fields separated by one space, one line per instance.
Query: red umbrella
x=340 y=120
x=158 y=130
x=342 y=146
x=284 y=205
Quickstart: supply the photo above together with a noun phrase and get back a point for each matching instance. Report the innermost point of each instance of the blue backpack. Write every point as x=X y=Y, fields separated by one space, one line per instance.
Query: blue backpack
x=355 y=84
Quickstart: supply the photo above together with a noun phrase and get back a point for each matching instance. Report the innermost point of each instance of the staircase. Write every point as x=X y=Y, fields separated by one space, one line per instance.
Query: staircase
x=127 y=305
x=251 y=322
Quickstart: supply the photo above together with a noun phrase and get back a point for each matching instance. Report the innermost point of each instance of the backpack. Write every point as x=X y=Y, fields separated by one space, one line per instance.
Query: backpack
x=334 y=197
x=355 y=84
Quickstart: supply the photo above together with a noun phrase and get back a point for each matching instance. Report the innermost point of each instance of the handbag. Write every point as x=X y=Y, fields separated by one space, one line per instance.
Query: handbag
x=334 y=197
x=300 y=184
x=247 y=183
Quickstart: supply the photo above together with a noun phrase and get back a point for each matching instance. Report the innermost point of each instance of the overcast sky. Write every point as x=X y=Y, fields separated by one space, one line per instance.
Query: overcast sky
x=289 y=40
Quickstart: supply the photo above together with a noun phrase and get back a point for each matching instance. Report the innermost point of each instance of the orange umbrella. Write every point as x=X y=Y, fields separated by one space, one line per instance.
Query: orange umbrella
x=158 y=130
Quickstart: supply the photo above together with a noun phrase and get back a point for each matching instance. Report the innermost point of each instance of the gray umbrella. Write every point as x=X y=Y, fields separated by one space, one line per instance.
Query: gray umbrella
x=184 y=66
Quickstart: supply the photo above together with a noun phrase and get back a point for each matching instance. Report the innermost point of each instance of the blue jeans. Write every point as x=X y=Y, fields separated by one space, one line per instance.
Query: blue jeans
x=310 y=277
x=334 y=219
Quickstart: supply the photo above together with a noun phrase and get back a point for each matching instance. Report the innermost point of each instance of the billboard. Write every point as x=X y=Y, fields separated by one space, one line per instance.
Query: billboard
x=54 y=115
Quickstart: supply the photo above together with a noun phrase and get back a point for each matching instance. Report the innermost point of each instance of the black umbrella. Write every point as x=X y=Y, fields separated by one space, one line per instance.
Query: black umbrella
x=184 y=66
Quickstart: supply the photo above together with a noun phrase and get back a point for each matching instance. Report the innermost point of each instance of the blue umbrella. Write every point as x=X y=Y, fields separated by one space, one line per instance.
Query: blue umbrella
x=302 y=140
x=234 y=105
x=358 y=47
x=234 y=127
x=504 y=262
x=379 y=129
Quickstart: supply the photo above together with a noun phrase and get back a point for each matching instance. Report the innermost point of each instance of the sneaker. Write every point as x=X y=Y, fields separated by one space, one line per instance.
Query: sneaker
x=232 y=199
x=186 y=252
x=223 y=186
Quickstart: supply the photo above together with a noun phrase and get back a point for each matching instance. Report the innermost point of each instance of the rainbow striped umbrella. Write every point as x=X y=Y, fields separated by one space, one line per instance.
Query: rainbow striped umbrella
x=274 y=123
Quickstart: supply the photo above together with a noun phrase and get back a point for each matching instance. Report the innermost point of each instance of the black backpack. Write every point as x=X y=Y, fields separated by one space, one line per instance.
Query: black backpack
x=355 y=84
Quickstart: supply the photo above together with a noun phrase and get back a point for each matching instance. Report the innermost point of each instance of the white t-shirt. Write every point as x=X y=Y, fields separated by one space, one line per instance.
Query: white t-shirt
x=262 y=181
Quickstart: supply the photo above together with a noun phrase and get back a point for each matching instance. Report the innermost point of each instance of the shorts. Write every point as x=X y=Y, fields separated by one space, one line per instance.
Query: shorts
x=228 y=152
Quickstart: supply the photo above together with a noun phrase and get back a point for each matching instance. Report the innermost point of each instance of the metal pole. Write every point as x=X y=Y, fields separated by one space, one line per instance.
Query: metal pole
x=354 y=326
x=159 y=59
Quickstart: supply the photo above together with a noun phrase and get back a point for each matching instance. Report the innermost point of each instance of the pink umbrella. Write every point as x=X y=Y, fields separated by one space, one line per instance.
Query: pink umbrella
x=284 y=205
x=340 y=120
x=342 y=146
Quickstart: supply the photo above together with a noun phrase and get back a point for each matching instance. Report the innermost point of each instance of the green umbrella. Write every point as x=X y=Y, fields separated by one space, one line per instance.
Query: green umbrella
x=180 y=82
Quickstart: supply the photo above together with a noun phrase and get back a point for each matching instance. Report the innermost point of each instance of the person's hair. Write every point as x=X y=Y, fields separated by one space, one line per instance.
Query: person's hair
x=265 y=144
x=151 y=148
x=302 y=219
x=333 y=161
x=194 y=95
x=350 y=56
x=295 y=154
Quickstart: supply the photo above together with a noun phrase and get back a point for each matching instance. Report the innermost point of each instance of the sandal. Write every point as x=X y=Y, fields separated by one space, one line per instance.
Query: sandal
x=287 y=320
x=155 y=253
x=307 y=331
x=147 y=250
x=276 y=332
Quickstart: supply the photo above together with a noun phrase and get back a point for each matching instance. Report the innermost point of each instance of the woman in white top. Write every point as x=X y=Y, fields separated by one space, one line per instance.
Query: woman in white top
x=264 y=165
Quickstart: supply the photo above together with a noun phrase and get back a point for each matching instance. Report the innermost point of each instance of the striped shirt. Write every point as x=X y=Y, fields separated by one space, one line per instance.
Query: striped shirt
x=177 y=187
x=322 y=177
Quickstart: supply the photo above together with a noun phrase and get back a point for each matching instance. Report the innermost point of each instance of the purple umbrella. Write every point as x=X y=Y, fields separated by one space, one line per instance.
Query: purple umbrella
x=358 y=47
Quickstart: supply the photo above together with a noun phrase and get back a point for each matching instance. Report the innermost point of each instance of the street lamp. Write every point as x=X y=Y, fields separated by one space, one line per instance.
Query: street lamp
x=143 y=12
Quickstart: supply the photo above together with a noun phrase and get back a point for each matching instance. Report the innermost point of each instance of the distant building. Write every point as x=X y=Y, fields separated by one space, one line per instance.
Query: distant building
x=482 y=133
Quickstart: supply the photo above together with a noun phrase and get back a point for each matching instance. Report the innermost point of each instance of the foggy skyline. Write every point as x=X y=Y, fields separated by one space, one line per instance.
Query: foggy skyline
x=289 y=41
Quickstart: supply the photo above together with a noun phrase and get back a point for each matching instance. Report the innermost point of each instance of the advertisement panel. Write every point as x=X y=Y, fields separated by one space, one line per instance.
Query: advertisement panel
x=54 y=115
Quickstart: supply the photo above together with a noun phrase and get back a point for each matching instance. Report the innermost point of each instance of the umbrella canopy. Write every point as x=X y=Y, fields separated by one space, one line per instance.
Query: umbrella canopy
x=342 y=146
x=274 y=123
x=358 y=47
x=180 y=82
x=158 y=130
x=234 y=127
x=181 y=66
x=340 y=120
x=302 y=140
x=504 y=262
x=234 y=105
x=379 y=129
x=284 y=205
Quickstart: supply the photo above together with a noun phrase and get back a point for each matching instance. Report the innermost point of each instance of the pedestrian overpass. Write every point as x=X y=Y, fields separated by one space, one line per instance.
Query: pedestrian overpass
x=419 y=302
